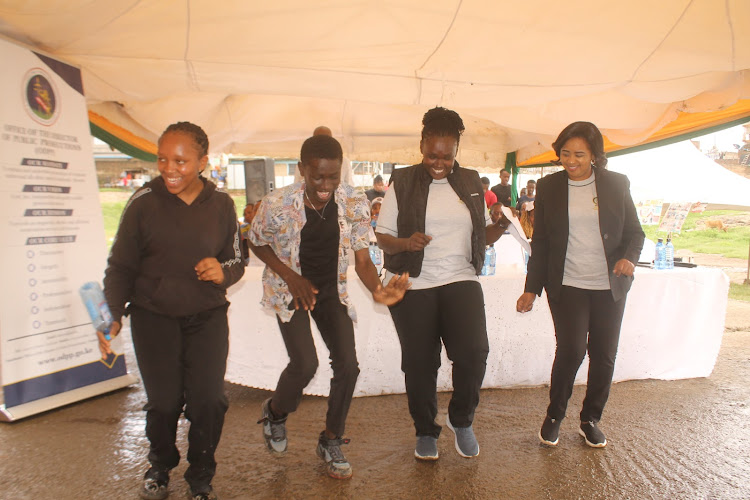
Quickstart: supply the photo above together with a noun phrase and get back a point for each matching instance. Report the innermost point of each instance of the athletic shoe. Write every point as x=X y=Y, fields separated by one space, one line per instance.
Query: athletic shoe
x=274 y=430
x=155 y=485
x=593 y=435
x=550 y=432
x=330 y=451
x=466 y=442
x=426 y=448
x=203 y=495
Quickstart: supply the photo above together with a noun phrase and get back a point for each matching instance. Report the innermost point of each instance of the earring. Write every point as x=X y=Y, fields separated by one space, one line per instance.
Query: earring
x=592 y=163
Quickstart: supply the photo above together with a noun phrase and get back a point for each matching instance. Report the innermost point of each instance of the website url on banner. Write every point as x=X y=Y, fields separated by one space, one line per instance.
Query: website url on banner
x=66 y=356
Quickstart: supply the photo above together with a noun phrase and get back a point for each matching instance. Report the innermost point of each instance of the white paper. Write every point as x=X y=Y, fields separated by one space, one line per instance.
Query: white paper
x=516 y=230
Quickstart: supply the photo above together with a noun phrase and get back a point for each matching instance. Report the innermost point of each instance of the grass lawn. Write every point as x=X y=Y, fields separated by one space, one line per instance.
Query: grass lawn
x=734 y=243
x=739 y=291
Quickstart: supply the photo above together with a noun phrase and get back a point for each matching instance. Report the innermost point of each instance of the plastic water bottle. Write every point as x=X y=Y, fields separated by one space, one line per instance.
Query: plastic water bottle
x=490 y=258
x=669 y=253
x=375 y=254
x=96 y=305
x=660 y=256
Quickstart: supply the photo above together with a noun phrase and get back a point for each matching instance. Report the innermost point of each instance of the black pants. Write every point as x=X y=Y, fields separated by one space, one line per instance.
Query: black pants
x=584 y=320
x=455 y=314
x=336 y=328
x=182 y=363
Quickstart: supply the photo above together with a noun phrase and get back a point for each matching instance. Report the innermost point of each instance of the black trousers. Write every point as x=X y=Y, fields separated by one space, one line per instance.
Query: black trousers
x=336 y=328
x=453 y=313
x=584 y=320
x=182 y=362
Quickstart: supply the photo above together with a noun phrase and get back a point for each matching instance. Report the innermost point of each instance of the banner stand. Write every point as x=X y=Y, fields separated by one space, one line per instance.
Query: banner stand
x=65 y=398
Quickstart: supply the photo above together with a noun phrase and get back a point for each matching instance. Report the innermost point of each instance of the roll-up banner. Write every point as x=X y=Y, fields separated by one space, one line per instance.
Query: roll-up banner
x=52 y=240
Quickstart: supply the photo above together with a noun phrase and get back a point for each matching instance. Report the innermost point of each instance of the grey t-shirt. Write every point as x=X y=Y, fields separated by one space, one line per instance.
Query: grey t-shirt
x=447 y=259
x=585 y=262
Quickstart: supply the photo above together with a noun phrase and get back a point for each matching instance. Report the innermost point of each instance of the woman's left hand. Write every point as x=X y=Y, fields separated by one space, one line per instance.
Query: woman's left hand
x=209 y=269
x=624 y=267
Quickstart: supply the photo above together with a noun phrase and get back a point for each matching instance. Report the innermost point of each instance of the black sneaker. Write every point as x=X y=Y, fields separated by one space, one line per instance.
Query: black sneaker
x=274 y=430
x=550 y=432
x=155 y=485
x=593 y=435
x=330 y=451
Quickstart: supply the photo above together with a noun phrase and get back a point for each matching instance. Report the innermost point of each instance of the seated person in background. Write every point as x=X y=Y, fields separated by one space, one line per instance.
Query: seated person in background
x=496 y=212
x=528 y=195
x=502 y=190
x=378 y=189
x=527 y=218
x=489 y=197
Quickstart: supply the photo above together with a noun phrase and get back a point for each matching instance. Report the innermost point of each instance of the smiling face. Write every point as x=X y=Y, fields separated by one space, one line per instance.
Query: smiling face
x=322 y=177
x=180 y=164
x=438 y=155
x=576 y=157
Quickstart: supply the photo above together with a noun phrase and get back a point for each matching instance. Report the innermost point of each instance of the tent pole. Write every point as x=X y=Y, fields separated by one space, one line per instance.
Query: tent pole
x=747 y=280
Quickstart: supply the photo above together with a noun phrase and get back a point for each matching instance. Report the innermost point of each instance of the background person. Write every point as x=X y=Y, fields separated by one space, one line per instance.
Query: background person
x=378 y=188
x=527 y=194
x=176 y=253
x=502 y=190
x=489 y=197
x=586 y=242
x=301 y=232
x=434 y=224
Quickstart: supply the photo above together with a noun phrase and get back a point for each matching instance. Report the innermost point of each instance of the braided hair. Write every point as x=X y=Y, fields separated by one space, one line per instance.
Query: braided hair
x=199 y=136
x=442 y=122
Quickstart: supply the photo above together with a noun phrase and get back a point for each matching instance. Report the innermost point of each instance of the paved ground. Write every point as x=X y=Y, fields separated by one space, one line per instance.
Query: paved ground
x=668 y=439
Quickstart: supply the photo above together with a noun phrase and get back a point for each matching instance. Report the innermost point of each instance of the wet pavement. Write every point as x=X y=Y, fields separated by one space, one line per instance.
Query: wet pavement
x=667 y=439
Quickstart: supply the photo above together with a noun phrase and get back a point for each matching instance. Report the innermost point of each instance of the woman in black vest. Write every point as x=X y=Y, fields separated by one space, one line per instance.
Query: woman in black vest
x=586 y=242
x=434 y=225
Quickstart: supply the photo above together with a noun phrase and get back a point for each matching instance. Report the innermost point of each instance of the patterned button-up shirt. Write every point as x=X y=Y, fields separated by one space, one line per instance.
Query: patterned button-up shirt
x=278 y=223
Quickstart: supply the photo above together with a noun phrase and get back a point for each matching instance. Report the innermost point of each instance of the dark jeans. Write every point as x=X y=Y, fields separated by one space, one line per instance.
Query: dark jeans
x=336 y=328
x=584 y=320
x=452 y=313
x=182 y=362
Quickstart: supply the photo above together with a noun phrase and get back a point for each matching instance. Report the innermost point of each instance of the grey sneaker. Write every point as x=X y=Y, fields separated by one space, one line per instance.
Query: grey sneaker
x=155 y=485
x=426 y=448
x=330 y=451
x=204 y=495
x=592 y=434
x=550 y=431
x=466 y=442
x=274 y=431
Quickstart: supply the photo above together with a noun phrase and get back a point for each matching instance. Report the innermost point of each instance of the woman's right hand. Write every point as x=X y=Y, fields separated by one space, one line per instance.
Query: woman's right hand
x=417 y=242
x=525 y=302
x=303 y=292
x=104 y=345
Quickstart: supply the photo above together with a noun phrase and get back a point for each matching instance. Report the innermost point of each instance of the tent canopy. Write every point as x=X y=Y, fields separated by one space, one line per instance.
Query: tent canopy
x=260 y=76
x=681 y=173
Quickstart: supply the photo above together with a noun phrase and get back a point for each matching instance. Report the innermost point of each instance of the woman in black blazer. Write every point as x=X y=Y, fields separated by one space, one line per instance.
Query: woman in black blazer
x=587 y=239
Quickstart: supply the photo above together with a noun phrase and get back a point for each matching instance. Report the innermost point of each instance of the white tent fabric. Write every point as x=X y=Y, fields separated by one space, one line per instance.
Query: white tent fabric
x=259 y=76
x=680 y=173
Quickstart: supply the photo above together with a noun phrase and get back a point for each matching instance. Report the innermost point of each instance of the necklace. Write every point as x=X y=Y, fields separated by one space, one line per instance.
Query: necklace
x=320 y=214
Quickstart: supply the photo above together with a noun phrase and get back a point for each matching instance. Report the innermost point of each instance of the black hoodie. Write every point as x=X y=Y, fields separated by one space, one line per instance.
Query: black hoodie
x=158 y=244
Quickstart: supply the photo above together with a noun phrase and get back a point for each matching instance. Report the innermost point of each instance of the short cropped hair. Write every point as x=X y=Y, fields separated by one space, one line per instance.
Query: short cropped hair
x=320 y=146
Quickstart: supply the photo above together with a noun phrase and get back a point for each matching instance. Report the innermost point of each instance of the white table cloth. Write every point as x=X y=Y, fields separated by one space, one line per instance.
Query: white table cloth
x=672 y=329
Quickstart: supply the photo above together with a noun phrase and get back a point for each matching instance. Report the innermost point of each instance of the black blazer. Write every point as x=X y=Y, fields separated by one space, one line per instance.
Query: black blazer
x=621 y=231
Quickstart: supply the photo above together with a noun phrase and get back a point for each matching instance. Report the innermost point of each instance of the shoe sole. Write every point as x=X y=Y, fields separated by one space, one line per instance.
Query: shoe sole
x=458 y=449
x=328 y=469
x=548 y=443
x=593 y=445
x=426 y=458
